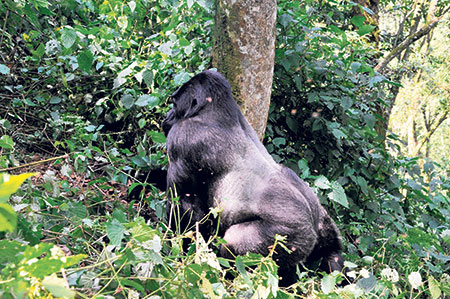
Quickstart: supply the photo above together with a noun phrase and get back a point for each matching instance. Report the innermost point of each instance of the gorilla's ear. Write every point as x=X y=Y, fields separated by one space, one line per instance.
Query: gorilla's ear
x=190 y=98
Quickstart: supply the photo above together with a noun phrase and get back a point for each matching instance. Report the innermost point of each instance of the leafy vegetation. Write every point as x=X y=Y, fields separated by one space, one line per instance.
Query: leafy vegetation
x=83 y=88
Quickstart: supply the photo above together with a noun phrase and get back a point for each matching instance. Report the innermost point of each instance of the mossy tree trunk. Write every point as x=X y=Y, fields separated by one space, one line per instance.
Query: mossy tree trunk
x=244 y=51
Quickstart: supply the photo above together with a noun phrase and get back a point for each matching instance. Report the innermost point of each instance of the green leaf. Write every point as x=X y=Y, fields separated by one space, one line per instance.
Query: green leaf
x=142 y=233
x=57 y=286
x=6 y=142
x=434 y=287
x=193 y=273
x=147 y=76
x=414 y=185
x=20 y=288
x=90 y=128
x=147 y=100
x=304 y=168
x=355 y=66
x=328 y=283
x=115 y=231
x=73 y=259
x=338 y=134
x=140 y=161
x=181 y=78
x=55 y=100
x=346 y=102
x=292 y=124
x=363 y=185
x=11 y=251
x=166 y=48
x=8 y=218
x=370 y=120
x=279 y=141
x=4 y=70
x=142 y=122
x=10 y=183
x=44 y=267
x=322 y=183
x=417 y=236
x=68 y=37
x=31 y=16
x=358 y=21
x=285 y=20
x=317 y=125
x=428 y=167
x=286 y=64
x=298 y=82
x=85 y=60
x=184 y=42
x=32 y=252
x=241 y=268
x=338 y=194
x=133 y=284
x=127 y=101
x=367 y=284
x=376 y=79
x=365 y=29
x=446 y=236
x=39 y=52
x=40 y=3
x=157 y=137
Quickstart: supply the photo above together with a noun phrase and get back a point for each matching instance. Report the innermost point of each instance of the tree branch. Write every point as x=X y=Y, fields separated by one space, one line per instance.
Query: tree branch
x=431 y=132
x=409 y=40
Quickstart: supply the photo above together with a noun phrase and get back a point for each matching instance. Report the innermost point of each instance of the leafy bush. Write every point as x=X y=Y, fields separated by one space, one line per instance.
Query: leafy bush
x=325 y=123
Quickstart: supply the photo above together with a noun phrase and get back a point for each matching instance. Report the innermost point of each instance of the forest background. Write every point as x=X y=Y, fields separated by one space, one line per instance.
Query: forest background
x=359 y=109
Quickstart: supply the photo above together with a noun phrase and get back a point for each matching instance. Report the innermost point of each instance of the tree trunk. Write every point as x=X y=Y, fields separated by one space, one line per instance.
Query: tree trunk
x=244 y=51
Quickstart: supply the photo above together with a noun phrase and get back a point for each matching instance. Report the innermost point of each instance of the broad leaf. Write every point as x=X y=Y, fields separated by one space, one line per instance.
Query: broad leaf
x=68 y=37
x=147 y=100
x=338 y=194
x=57 y=286
x=127 y=101
x=6 y=142
x=4 y=70
x=328 y=283
x=10 y=183
x=85 y=60
x=322 y=182
x=115 y=231
x=8 y=218
x=365 y=29
x=157 y=137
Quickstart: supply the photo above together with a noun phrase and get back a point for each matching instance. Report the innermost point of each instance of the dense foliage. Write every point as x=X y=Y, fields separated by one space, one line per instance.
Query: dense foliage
x=86 y=82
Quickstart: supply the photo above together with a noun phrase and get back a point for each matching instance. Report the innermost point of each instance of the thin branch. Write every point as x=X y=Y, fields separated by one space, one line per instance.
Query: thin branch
x=409 y=40
x=35 y=163
x=4 y=26
x=431 y=132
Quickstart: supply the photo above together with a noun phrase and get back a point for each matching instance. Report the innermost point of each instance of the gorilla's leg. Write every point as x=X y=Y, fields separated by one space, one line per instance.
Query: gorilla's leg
x=246 y=237
x=258 y=236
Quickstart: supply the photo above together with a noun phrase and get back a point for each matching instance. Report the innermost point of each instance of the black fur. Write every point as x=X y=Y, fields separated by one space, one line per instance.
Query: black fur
x=216 y=159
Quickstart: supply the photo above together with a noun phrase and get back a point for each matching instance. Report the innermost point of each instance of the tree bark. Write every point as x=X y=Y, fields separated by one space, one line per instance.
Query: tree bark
x=244 y=51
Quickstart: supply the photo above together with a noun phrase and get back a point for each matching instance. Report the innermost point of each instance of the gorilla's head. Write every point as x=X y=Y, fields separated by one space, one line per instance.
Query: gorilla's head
x=206 y=91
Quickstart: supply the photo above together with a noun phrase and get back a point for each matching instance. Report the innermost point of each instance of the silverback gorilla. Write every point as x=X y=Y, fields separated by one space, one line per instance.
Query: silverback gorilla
x=217 y=160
